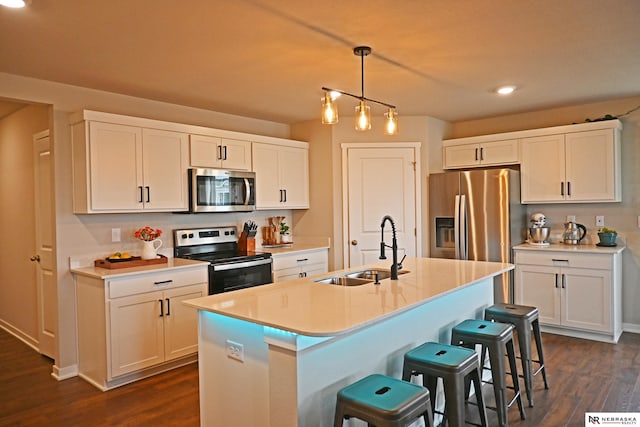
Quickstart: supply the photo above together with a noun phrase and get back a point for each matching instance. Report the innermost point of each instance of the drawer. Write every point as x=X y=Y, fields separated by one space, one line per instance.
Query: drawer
x=149 y=282
x=300 y=259
x=565 y=259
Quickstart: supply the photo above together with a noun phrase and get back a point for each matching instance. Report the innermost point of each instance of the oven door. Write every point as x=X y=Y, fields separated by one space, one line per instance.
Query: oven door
x=226 y=277
x=218 y=190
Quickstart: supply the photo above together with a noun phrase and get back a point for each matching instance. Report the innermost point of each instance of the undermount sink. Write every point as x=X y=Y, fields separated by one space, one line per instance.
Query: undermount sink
x=357 y=278
x=344 y=281
x=371 y=274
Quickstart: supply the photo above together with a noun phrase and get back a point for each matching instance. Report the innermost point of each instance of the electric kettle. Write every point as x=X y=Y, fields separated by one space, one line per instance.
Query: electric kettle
x=573 y=233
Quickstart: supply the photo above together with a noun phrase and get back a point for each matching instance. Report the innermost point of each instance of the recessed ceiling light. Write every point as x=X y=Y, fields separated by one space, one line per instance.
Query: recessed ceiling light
x=13 y=3
x=505 y=90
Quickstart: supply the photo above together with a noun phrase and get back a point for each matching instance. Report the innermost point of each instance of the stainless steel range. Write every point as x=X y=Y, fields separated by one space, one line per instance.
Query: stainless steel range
x=228 y=269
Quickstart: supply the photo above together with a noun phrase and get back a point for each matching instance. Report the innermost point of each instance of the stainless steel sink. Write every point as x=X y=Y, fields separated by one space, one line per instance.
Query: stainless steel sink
x=357 y=278
x=370 y=274
x=344 y=281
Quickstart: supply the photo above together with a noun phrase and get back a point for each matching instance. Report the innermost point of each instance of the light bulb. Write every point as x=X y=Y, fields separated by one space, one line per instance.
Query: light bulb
x=329 y=110
x=391 y=124
x=13 y=3
x=363 y=117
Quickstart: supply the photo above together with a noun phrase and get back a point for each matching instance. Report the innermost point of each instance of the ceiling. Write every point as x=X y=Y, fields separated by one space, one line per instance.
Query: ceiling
x=268 y=59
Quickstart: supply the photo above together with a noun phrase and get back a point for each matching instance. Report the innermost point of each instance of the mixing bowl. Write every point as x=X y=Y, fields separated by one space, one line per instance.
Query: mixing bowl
x=538 y=234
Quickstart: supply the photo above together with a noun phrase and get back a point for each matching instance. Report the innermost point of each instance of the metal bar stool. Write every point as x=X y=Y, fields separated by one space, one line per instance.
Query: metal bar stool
x=384 y=402
x=457 y=367
x=495 y=337
x=525 y=319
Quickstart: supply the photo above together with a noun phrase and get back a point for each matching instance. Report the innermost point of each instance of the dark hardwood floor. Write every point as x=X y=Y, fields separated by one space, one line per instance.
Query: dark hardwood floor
x=584 y=376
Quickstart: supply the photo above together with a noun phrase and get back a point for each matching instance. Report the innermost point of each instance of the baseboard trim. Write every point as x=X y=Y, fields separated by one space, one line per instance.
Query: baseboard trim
x=25 y=338
x=64 y=373
x=631 y=327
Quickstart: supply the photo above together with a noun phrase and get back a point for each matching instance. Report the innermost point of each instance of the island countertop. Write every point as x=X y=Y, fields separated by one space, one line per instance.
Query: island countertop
x=306 y=307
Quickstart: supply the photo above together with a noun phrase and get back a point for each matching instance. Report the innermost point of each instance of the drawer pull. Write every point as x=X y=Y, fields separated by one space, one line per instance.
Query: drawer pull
x=559 y=260
x=163 y=282
x=302 y=259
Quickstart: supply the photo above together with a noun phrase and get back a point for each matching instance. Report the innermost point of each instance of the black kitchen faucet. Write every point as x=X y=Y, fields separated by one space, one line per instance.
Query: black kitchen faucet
x=394 y=247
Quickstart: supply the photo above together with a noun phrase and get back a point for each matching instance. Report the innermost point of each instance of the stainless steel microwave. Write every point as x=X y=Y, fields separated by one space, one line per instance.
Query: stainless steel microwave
x=220 y=190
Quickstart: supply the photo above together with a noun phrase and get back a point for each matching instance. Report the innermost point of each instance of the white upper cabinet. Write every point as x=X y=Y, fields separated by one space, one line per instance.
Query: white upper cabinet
x=282 y=175
x=125 y=164
x=572 y=167
x=122 y=168
x=461 y=154
x=214 y=152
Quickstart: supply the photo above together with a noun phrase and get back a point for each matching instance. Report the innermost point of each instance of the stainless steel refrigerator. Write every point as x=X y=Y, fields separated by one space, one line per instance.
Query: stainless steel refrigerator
x=477 y=215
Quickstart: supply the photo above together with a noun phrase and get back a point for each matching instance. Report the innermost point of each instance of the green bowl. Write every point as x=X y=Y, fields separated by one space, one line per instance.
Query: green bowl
x=607 y=239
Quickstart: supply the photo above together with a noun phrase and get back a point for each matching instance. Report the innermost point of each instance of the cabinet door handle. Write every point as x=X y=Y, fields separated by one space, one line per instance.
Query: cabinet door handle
x=219 y=152
x=481 y=153
x=161 y=308
x=163 y=282
x=148 y=193
x=141 y=193
x=476 y=154
x=562 y=188
x=556 y=280
x=569 y=188
x=168 y=306
x=564 y=281
x=285 y=196
x=225 y=153
x=280 y=195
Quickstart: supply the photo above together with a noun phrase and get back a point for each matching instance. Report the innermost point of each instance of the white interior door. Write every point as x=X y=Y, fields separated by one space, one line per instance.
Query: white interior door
x=380 y=181
x=45 y=277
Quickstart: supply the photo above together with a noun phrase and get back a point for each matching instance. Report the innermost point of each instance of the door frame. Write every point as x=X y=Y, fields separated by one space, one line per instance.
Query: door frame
x=416 y=146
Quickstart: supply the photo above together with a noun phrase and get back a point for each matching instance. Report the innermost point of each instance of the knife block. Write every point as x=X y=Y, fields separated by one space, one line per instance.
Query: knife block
x=246 y=244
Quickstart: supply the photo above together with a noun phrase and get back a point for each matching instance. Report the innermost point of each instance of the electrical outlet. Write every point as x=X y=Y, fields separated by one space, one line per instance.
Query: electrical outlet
x=235 y=350
x=115 y=234
x=599 y=221
x=571 y=218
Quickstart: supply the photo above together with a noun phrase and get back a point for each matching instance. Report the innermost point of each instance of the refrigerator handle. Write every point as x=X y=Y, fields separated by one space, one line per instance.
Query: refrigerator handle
x=456 y=225
x=464 y=238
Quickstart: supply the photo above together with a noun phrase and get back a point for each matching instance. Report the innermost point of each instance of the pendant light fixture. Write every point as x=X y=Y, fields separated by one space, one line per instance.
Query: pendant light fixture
x=363 y=111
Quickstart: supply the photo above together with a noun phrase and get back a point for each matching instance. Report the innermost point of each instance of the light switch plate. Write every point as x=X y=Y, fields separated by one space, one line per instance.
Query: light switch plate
x=599 y=220
x=571 y=218
x=115 y=234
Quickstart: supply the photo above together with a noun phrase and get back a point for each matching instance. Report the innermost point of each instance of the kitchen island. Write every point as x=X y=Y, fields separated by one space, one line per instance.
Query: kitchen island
x=277 y=354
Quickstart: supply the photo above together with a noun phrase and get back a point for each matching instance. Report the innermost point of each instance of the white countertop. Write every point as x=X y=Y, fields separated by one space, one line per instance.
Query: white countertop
x=104 y=273
x=308 y=244
x=316 y=309
x=573 y=248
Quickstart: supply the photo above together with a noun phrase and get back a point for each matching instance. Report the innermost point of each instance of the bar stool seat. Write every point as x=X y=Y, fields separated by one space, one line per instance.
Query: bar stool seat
x=384 y=402
x=525 y=319
x=457 y=366
x=496 y=338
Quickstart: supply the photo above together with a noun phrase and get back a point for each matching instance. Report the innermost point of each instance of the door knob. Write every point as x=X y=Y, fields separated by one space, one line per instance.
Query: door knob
x=35 y=258
x=354 y=242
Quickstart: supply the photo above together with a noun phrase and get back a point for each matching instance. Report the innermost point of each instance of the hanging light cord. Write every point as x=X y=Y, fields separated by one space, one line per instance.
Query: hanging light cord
x=361 y=51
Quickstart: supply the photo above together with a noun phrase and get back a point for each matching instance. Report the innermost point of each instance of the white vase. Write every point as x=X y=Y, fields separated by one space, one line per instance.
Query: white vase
x=150 y=249
x=285 y=238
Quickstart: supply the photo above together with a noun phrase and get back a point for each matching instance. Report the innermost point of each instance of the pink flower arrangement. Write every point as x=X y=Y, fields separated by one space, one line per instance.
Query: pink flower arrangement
x=148 y=233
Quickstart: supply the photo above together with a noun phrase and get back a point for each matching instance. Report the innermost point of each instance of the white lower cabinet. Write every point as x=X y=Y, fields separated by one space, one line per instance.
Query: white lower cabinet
x=133 y=326
x=295 y=265
x=577 y=294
